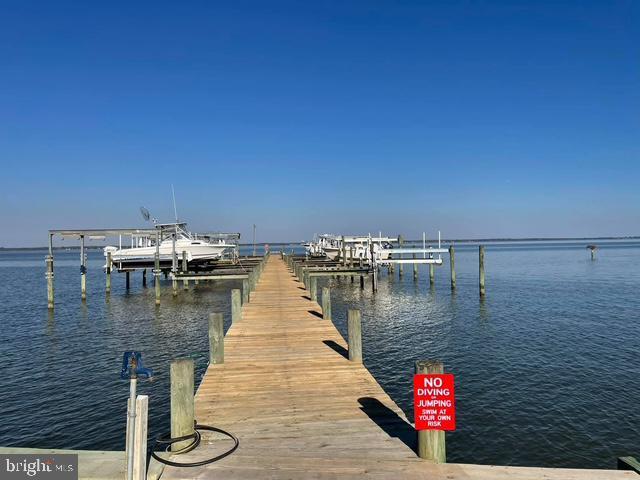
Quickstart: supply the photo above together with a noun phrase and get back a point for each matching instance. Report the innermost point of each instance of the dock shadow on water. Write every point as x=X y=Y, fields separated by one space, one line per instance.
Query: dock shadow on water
x=389 y=421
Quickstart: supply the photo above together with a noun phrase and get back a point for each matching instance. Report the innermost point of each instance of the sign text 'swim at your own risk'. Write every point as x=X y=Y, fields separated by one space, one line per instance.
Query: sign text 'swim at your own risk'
x=434 y=405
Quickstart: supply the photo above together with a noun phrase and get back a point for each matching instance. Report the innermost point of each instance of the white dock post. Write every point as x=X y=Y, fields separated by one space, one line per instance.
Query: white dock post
x=140 y=438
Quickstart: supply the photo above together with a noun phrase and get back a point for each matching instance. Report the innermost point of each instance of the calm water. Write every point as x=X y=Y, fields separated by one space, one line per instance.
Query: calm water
x=546 y=367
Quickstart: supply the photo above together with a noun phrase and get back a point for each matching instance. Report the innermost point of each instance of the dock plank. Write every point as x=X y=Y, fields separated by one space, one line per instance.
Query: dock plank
x=303 y=410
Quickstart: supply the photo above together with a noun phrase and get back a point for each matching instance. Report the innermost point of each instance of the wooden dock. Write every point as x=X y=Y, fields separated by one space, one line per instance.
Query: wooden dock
x=301 y=409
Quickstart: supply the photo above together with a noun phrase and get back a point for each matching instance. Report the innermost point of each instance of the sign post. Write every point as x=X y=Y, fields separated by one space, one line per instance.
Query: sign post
x=434 y=409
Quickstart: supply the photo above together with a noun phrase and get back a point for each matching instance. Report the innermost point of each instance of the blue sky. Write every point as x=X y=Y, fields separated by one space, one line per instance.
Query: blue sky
x=478 y=118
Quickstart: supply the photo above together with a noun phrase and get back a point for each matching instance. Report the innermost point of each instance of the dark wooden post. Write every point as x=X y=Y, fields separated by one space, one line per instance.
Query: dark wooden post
x=401 y=265
x=144 y=278
x=354 y=328
x=127 y=280
x=431 y=443
x=432 y=274
x=452 y=263
x=415 y=268
x=83 y=270
x=481 y=265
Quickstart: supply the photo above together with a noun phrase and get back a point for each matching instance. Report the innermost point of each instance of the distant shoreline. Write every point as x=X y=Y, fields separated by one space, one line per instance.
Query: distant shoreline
x=444 y=240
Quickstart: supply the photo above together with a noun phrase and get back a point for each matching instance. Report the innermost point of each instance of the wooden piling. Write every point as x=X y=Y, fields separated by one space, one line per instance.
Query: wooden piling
x=182 y=402
x=481 y=265
x=415 y=268
x=216 y=338
x=108 y=273
x=140 y=438
x=127 y=279
x=245 y=291
x=236 y=305
x=326 y=303
x=49 y=275
x=174 y=286
x=344 y=252
x=361 y=282
x=401 y=266
x=83 y=270
x=432 y=274
x=354 y=330
x=431 y=443
x=313 y=288
x=452 y=263
x=144 y=278
x=184 y=269
x=156 y=276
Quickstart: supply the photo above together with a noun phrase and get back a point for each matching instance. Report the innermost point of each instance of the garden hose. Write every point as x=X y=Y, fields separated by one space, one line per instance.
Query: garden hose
x=166 y=441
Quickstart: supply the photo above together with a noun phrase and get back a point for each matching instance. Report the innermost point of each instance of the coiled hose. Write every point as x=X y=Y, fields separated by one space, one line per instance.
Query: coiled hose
x=165 y=442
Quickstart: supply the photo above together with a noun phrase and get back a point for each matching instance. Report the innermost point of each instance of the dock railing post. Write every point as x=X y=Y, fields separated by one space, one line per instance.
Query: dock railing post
x=108 y=274
x=216 y=338
x=83 y=270
x=313 y=288
x=236 y=305
x=326 y=303
x=401 y=266
x=140 y=438
x=156 y=269
x=185 y=268
x=354 y=328
x=182 y=401
x=49 y=275
x=452 y=263
x=431 y=443
x=481 y=265
x=245 y=291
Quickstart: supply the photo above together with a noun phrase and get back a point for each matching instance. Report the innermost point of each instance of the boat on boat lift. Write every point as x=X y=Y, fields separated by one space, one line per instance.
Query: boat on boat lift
x=174 y=239
x=331 y=246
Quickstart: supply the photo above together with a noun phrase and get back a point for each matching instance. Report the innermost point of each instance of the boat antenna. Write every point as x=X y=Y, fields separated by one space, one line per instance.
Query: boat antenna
x=175 y=209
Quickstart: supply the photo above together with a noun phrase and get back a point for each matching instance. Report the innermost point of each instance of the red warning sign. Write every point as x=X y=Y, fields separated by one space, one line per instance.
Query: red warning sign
x=434 y=406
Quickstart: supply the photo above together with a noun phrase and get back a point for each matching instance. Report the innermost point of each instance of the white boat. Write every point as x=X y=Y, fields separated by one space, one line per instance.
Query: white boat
x=358 y=246
x=174 y=240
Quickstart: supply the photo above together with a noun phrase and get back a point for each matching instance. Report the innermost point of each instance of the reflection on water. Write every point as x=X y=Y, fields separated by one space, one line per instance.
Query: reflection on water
x=545 y=365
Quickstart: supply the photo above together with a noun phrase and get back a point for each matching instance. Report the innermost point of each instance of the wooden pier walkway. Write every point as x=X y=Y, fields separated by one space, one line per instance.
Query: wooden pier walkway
x=301 y=409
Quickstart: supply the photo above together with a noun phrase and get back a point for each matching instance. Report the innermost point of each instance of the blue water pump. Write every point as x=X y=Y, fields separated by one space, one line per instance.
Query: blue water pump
x=132 y=367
